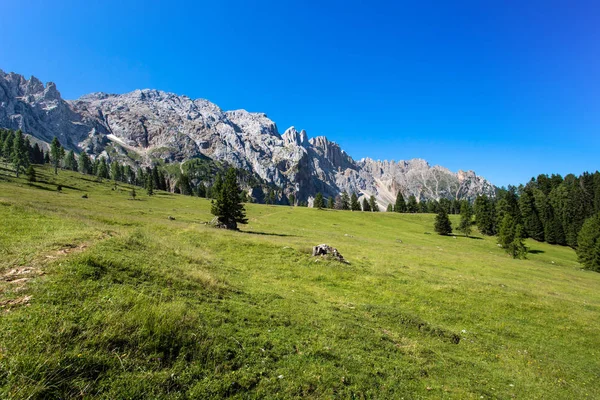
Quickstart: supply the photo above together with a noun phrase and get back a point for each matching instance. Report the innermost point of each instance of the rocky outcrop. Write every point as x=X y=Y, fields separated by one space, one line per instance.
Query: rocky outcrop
x=149 y=125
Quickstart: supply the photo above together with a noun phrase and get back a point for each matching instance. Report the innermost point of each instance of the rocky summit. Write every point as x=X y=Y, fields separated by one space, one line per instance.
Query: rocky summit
x=145 y=126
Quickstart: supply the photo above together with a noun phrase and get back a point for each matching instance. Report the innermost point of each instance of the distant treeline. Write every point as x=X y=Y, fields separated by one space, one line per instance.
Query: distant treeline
x=194 y=177
x=551 y=209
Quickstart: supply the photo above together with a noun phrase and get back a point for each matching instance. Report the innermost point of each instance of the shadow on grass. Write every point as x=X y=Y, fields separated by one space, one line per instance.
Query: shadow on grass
x=468 y=237
x=268 y=234
x=536 y=251
x=42 y=187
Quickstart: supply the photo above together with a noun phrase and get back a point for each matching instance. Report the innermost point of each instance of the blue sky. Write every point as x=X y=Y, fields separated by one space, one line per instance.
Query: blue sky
x=509 y=89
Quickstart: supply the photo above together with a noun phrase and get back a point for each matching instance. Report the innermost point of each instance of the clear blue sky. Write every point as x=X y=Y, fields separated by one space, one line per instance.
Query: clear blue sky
x=509 y=89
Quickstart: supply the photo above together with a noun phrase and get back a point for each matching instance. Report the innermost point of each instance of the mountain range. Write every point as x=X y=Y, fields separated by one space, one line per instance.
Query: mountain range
x=148 y=126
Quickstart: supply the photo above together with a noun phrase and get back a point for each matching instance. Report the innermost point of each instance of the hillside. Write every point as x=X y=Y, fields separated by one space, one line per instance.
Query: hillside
x=132 y=304
x=146 y=127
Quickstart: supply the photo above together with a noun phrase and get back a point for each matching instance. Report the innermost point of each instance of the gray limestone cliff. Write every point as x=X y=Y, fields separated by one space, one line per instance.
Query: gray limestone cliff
x=148 y=125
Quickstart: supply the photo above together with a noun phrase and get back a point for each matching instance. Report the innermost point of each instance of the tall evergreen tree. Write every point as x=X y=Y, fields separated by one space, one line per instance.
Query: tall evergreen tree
x=412 y=206
x=532 y=222
x=7 y=146
x=149 y=185
x=466 y=215
x=373 y=204
x=103 y=169
x=485 y=215
x=400 y=206
x=57 y=153
x=319 y=202
x=365 y=205
x=506 y=233
x=588 y=249
x=227 y=206
x=20 y=154
x=71 y=162
x=292 y=199
x=345 y=201
x=330 y=203
x=442 y=225
x=354 y=204
x=389 y=208
x=31 y=176
x=517 y=248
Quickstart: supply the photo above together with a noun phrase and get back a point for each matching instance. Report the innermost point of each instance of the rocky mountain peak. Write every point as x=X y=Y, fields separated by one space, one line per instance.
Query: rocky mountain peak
x=147 y=125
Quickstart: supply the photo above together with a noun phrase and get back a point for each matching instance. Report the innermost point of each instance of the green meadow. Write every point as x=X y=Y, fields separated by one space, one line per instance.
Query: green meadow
x=107 y=297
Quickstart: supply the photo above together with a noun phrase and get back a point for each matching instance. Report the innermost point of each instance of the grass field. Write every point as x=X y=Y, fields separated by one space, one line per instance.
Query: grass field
x=106 y=297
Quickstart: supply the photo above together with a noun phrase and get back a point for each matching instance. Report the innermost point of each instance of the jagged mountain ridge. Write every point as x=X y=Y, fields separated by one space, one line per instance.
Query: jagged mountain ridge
x=145 y=125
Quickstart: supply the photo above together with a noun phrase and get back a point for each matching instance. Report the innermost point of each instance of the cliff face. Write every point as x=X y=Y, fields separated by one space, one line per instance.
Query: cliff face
x=146 y=125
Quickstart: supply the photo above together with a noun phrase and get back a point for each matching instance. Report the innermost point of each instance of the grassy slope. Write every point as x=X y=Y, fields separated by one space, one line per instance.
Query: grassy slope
x=134 y=305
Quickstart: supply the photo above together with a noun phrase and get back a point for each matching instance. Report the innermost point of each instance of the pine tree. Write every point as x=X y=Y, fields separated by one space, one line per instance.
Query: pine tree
x=373 y=204
x=506 y=234
x=149 y=185
x=57 y=153
x=354 y=204
x=588 y=249
x=330 y=203
x=345 y=201
x=365 y=205
x=412 y=206
x=20 y=154
x=466 y=215
x=227 y=206
x=7 y=146
x=31 y=177
x=292 y=199
x=319 y=202
x=400 y=205
x=183 y=183
x=517 y=248
x=530 y=215
x=389 y=208
x=485 y=215
x=442 y=225
x=102 y=171
x=38 y=154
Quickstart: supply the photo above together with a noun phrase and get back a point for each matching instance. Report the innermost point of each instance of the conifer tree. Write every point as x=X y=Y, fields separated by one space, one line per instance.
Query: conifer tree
x=412 y=206
x=365 y=205
x=531 y=221
x=373 y=204
x=588 y=249
x=319 y=202
x=133 y=194
x=102 y=171
x=517 y=248
x=71 y=162
x=7 y=146
x=31 y=177
x=227 y=205
x=217 y=186
x=292 y=199
x=466 y=215
x=57 y=153
x=400 y=205
x=485 y=215
x=38 y=154
x=389 y=208
x=442 y=225
x=47 y=157
x=20 y=154
x=506 y=233
x=149 y=185
x=345 y=201
x=354 y=204
x=330 y=203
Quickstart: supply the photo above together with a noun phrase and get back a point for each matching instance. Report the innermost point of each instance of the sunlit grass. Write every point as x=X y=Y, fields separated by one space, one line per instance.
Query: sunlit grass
x=135 y=305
